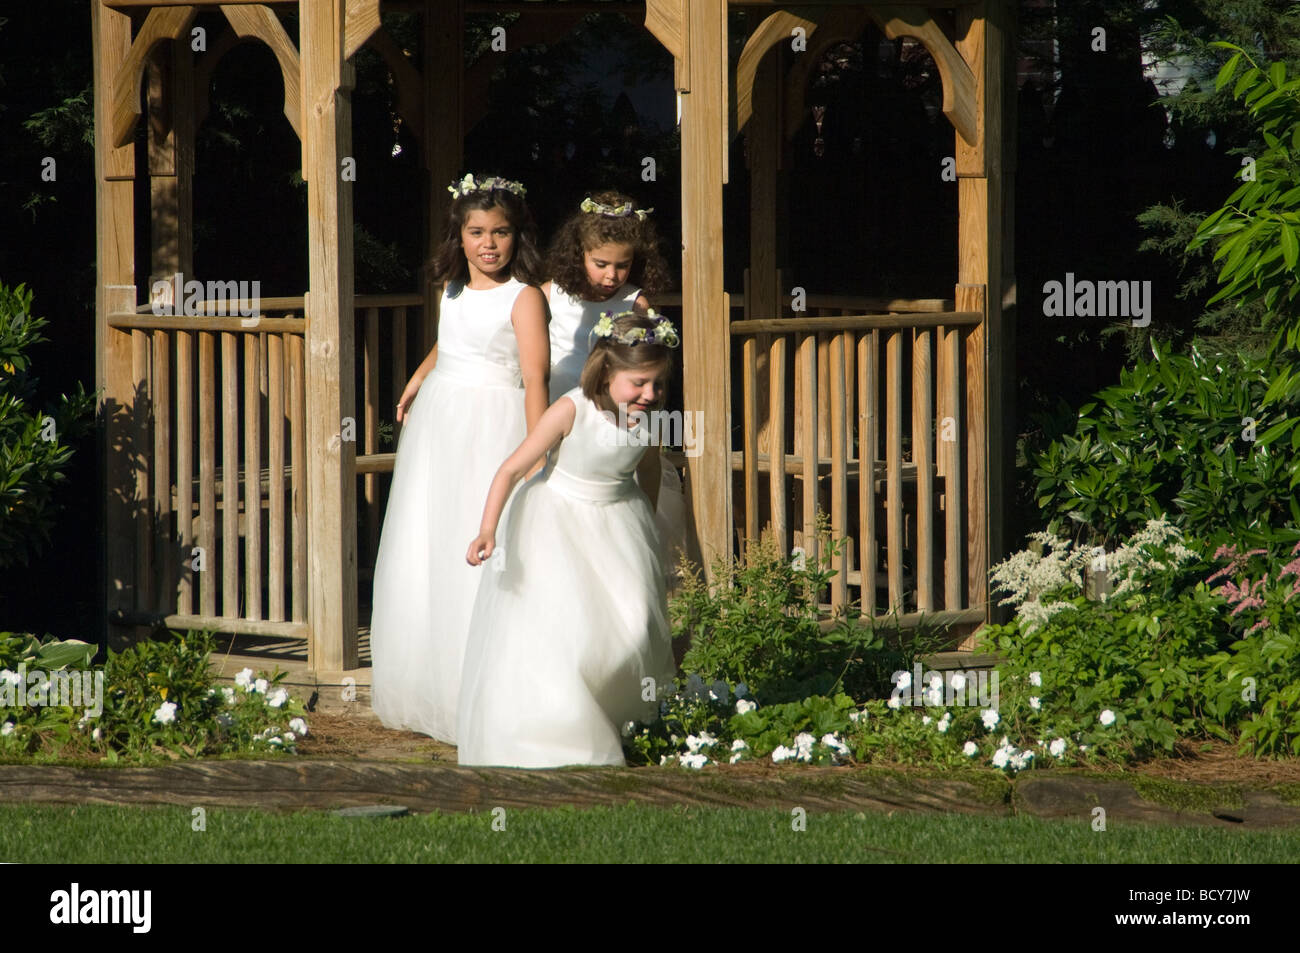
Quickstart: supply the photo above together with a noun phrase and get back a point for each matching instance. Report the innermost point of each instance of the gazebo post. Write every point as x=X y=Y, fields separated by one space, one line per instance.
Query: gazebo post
x=982 y=40
x=171 y=198
x=706 y=314
x=327 y=78
x=114 y=291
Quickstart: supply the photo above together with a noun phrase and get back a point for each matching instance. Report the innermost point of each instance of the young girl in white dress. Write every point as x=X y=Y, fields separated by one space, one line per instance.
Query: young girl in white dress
x=570 y=636
x=605 y=257
x=481 y=388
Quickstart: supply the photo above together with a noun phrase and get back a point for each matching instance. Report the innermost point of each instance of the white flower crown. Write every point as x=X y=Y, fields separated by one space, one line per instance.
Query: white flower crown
x=468 y=185
x=662 y=334
x=591 y=206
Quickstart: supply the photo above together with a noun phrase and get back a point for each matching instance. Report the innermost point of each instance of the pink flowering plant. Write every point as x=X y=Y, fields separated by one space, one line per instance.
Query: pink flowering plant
x=1257 y=676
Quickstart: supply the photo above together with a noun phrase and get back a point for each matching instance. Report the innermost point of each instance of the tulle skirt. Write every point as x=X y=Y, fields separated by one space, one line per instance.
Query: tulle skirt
x=457 y=435
x=570 y=636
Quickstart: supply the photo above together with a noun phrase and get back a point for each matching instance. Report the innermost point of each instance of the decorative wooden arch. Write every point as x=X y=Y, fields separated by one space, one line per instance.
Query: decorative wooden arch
x=306 y=347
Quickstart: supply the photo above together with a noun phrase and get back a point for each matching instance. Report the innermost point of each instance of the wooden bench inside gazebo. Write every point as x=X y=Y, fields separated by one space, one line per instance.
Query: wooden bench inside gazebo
x=244 y=484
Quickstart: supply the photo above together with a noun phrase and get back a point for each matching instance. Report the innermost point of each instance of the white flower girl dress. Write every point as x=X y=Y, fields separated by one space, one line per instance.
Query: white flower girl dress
x=570 y=624
x=467 y=417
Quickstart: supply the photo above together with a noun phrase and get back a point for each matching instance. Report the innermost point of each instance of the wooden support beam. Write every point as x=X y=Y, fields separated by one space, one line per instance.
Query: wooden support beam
x=360 y=24
x=705 y=307
x=331 y=484
x=164 y=23
x=959 y=100
x=984 y=42
x=114 y=291
x=775 y=28
x=260 y=23
x=171 y=203
x=666 y=20
x=834 y=26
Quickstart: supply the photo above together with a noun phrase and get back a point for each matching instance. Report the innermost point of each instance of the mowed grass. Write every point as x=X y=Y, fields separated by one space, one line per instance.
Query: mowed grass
x=627 y=834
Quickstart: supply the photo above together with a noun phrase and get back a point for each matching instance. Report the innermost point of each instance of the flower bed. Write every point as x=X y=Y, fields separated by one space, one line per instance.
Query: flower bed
x=153 y=701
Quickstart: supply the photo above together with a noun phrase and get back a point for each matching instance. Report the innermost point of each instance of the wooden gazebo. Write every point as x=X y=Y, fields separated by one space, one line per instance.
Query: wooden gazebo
x=237 y=458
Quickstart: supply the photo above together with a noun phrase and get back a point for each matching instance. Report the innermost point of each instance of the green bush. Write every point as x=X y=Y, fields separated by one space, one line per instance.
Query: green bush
x=34 y=446
x=760 y=623
x=159 y=701
x=1172 y=438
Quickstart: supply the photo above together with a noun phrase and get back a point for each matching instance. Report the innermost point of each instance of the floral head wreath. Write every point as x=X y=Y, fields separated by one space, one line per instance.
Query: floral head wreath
x=468 y=185
x=592 y=207
x=662 y=334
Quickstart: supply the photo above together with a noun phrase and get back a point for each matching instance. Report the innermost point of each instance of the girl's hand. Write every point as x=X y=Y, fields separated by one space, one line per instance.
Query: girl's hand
x=408 y=397
x=480 y=551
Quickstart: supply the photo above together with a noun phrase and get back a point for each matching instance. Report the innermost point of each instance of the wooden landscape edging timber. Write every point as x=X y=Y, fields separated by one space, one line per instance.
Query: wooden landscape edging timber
x=326 y=784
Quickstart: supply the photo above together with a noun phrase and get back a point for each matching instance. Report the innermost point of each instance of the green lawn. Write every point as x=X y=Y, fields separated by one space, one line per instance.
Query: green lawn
x=636 y=834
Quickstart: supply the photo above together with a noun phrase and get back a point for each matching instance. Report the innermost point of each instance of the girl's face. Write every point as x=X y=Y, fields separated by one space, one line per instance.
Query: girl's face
x=608 y=266
x=488 y=239
x=639 y=388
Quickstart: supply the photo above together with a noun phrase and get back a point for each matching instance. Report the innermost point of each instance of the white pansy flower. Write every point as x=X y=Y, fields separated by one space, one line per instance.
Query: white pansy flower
x=260 y=685
x=166 y=713
x=740 y=744
x=96 y=734
x=1083 y=747
x=926 y=719
x=803 y=743
x=290 y=737
x=228 y=694
x=1057 y=747
x=839 y=749
x=298 y=725
x=244 y=679
x=8 y=728
x=1036 y=679
x=277 y=698
x=1107 y=717
x=970 y=749
x=894 y=703
x=695 y=761
x=1035 y=703
x=990 y=718
x=1001 y=757
x=854 y=716
x=782 y=753
x=695 y=742
x=743 y=705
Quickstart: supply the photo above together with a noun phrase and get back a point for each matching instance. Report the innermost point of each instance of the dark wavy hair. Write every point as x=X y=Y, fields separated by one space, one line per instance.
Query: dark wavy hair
x=448 y=262
x=608 y=357
x=583 y=231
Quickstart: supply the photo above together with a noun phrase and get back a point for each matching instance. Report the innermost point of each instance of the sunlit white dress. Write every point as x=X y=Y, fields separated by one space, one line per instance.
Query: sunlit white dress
x=572 y=319
x=467 y=417
x=566 y=628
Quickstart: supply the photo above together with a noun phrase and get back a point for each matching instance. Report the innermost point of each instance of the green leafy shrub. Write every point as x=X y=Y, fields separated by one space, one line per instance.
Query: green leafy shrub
x=34 y=446
x=159 y=701
x=1172 y=438
x=760 y=623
